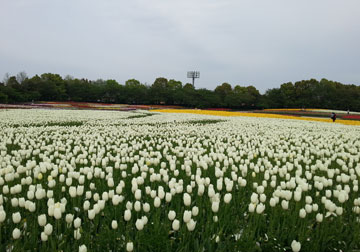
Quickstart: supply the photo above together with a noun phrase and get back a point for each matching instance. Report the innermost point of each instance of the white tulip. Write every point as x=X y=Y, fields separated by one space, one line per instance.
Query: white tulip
x=138 y=194
x=168 y=197
x=227 y=198
x=319 y=217
x=77 y=234
x=82 y=248
x=114 y=224
x=308 y=208
x=260 y=208
x=302 y=213
x=187 y=199
x=139 y=224
x=69 y=218
x=137 y=206
x=129 y=246
x=194 y=211
x=285 y=204
x=16 y=233
x=252 y=207
x=171 y=215
x=127 y=215
x=91 y=214
x=14 y=202
x=295 y=246
x=42 y=220
x=157 y=202
x=272 y=202
x=215 y=206
x=175 y=225
x=2 y=216
x=86 y=205
x=146 y=207
x=72 y=191
x=44 y=237
x=191 y=225
x=16 y=217
x=77 y=222
x=187 y=216
x=57 y=213
x=48 y=229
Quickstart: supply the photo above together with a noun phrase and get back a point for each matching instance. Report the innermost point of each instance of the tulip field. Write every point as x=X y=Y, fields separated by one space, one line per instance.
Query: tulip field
x=82 y=180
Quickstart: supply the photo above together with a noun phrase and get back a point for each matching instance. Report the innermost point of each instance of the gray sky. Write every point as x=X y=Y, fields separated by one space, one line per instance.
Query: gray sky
x=253 y=42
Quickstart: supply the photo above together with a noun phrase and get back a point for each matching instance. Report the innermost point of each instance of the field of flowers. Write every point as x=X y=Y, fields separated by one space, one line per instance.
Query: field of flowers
x=146 y=181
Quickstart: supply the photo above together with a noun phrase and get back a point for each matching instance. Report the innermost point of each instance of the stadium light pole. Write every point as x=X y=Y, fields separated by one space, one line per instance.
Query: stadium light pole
x=193 y=75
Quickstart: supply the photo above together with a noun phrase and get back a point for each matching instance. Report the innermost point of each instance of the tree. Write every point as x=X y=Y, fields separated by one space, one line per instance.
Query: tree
x=223 y=90
x=52 y=87
x=21 y=77
x=159 y=90
x=132 y=83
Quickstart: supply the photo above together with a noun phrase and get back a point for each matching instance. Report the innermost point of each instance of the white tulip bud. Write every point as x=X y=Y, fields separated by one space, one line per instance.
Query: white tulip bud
x=77 y=222
x=2 y=216
x=138 y=194
x=127 y=215
x=175 y=225
x=44 y=237
x=295 y=246
x=227 y=198
x=14 y=202
x=319 y=217
x=194 y=211
x=252 y=207
x=260 y=208
x=168 y=197
x=187 y=216
x=69 y=218
x=285 y=204
x=114 y=224
x=215 y=206
x=16 y=233
x=157 y=202
x=139 y=224
x=191 y=225
x=302 y=213
x=129 y=246
x=57 y=212
x=48 y=229
x=86 y=205
x=146 y=207
x=171 y=215
x=91 y=214
x=82 y=248
x=16 y=217
x=72 y=191
x=42 y=220
x=187 y=199
x=272 y=202
x=77 y=234
x=137 y=206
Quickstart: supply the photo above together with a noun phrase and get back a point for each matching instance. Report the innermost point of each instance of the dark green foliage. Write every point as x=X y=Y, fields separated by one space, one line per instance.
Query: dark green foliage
x=139 y=116
x=302 y=94
x=202 y=122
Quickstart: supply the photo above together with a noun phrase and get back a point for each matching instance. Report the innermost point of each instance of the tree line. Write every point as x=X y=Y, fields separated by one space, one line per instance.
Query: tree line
x=301 y=94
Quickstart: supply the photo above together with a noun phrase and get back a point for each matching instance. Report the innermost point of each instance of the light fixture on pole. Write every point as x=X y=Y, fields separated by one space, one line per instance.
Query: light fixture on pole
x=193 y=75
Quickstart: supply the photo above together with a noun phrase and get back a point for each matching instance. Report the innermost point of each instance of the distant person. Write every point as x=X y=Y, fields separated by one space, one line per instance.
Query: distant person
x=348 y=112
x=333 y=116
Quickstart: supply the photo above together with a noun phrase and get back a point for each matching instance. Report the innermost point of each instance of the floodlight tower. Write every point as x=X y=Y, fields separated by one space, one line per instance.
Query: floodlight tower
x=193 y=75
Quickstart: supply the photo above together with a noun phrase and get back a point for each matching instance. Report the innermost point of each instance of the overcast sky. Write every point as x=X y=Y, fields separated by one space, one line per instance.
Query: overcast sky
x=263 y=43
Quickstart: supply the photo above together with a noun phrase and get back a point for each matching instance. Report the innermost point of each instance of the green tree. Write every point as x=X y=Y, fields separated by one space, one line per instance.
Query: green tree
x=222 y=91
x=159 y=91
